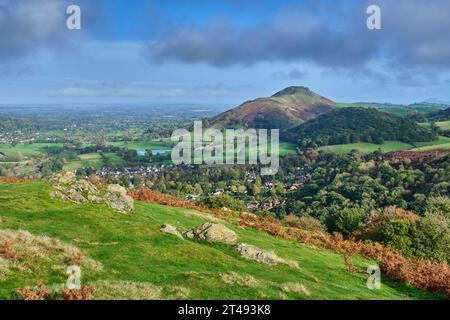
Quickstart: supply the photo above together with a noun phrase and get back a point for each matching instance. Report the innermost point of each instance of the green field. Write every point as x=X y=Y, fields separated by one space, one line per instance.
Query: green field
x=444 y=125
x=29 y=150
x=131 y=248
x=114 y=159
x=389 y=146
x=89 y=160
x=442 y=143
x=143 y=145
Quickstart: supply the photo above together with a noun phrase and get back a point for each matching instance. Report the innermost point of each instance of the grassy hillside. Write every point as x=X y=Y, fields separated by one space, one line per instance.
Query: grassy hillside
x=397 y=109
x=365 y=147
x=443 y=125
x=139 y=261
x=388 y=146
x=355 y=125
x=439 y=115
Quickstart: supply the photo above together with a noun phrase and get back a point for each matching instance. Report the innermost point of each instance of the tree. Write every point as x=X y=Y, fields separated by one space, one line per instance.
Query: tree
x=396 y=234
x=347 y=220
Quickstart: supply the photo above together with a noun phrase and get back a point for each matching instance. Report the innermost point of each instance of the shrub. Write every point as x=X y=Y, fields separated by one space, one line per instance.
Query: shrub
x=431 y=237
x=305 y=223
x=347 y=220
x=438 y=205
x=378 y=219
x=224 y=201
x=396 y=234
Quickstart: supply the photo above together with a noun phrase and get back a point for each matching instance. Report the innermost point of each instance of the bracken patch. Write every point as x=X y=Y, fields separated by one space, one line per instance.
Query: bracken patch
x=26 y=253
x=234 y=278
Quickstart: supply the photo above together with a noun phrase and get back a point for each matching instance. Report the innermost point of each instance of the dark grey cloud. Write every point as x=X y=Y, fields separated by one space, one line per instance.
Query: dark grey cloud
x=28 y=25
x=292 y=36
x=328 y=33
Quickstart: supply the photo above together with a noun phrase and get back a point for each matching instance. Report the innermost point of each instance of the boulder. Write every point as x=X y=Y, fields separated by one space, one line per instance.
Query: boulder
x=116 y=197
x=65 y=177
x=115 y=188
x=169 y=229
x=251 y=252
x=212 y=232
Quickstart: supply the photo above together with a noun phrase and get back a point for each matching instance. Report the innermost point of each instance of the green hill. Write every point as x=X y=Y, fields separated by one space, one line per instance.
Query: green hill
x=285 y=109
x=126 y=256
x=415 y=109
x=353 y=125
x=441 y=115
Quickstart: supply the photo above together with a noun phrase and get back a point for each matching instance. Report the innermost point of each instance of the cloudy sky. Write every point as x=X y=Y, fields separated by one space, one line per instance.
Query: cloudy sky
x=221 y=52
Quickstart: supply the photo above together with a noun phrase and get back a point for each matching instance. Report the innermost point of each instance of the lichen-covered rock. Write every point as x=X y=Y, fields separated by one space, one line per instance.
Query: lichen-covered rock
x=116 y=197
x=251 y=252
x=68 y=187
x=169 y=229
x=212 y=232
x=115 y=188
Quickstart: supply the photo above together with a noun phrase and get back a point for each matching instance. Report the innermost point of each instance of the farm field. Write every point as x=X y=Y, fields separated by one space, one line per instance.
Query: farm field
x=388 y=146
x=132 y=256
x=363 y=147
x=442 y=143
x=90 y=160
x=444 y=125
x=28 y=150
x=143 y=145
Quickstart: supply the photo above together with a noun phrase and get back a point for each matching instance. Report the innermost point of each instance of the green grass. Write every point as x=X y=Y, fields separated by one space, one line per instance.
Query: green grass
x=287 y=148
x=388 y=146
x=115 y=160
x=143 y=145
x=29 y=150
x=132 y=248
x=89 y=160
x=444 y=125
x=442 y=143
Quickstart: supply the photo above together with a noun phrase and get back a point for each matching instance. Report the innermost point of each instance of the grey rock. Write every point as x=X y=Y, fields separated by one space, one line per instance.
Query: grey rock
x=212 y=232
x=251 y=252
x=169 y=229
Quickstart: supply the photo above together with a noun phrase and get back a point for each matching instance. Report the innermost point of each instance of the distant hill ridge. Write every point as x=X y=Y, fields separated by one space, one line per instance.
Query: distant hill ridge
x=295 y=105
x=286 y=108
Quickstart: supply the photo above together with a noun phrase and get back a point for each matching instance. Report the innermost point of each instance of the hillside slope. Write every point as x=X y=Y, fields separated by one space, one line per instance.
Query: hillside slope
x=441 y=115
x=401 y=110
x=134 y=260
x=285 y=109
x=352 y=125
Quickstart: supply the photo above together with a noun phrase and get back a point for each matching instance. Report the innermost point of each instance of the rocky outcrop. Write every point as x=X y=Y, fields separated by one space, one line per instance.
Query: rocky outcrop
x=212 y=232
x=68 y=187
x=251 y=252
x=169 y=229
x=116 y=197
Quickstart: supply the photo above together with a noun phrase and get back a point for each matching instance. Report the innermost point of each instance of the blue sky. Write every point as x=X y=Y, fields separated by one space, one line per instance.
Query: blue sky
x=222 y=52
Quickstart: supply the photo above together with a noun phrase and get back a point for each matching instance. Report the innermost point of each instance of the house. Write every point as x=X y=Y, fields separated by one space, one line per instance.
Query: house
x=218 y=192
